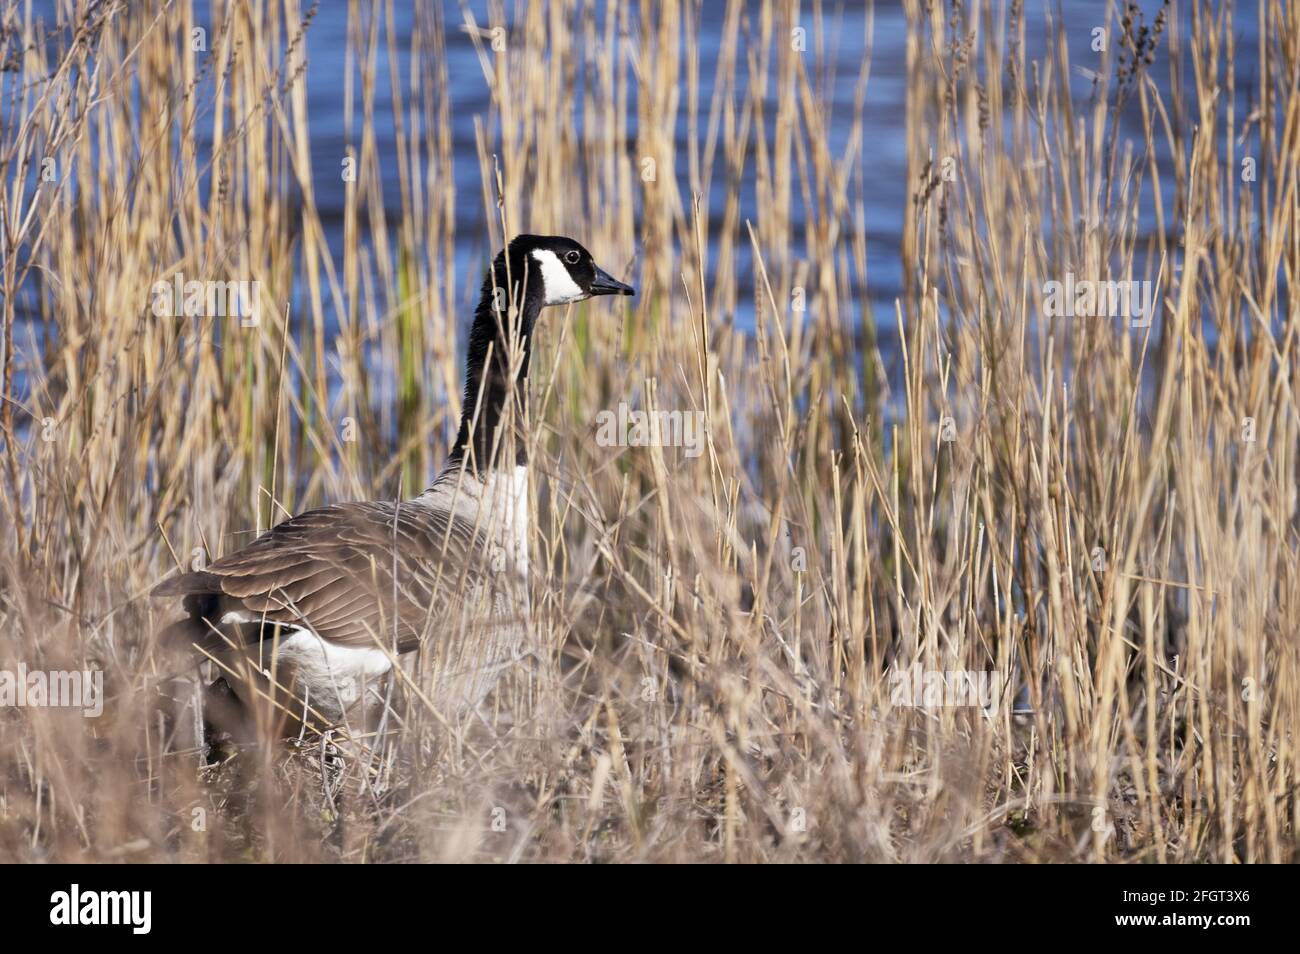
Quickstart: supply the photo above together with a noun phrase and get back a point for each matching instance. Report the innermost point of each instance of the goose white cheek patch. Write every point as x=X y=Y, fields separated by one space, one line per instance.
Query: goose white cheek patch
x=558 y=283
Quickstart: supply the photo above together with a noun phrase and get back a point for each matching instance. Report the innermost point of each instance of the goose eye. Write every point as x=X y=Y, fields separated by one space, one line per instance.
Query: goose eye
x=571 y=257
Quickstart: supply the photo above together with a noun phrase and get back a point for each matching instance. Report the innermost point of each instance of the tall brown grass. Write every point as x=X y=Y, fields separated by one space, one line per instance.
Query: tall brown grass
x=719 y=630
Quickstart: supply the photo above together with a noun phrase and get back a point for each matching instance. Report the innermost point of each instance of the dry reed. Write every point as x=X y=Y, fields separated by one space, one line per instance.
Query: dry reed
x=1106 y=516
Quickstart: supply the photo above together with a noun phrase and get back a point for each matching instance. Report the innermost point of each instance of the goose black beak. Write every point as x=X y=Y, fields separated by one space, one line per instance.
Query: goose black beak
x=606 y=284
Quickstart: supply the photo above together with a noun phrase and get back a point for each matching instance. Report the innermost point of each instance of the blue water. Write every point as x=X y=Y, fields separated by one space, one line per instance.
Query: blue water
x=847 y=41
x=848 y=37
x=881 y=167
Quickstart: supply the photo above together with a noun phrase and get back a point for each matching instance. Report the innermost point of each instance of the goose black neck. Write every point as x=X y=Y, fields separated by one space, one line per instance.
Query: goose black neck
x=494 y=395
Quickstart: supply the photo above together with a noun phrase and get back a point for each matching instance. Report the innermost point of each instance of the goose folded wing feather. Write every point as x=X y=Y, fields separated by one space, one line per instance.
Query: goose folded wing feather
x=350 y=573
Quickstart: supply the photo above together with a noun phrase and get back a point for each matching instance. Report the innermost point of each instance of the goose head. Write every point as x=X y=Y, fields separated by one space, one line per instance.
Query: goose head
x=551 y=270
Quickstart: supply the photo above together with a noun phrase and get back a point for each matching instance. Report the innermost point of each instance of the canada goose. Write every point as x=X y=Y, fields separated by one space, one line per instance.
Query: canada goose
x=328 y=597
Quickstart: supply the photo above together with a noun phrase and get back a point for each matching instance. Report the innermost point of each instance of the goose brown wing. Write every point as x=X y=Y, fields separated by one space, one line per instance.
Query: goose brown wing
x=350 y=572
